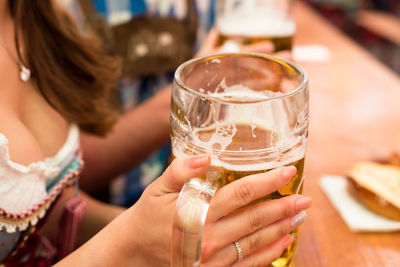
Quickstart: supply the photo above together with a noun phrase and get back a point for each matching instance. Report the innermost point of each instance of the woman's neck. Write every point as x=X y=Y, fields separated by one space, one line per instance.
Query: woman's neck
x=5 y=16
x=4 y=11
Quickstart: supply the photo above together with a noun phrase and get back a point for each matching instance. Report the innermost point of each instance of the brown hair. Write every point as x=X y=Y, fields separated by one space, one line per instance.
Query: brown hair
x=70 y=70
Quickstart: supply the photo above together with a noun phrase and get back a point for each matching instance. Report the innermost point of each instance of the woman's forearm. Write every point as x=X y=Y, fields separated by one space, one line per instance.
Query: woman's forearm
x=116 y=245
x=135 y=136
x=97 y=216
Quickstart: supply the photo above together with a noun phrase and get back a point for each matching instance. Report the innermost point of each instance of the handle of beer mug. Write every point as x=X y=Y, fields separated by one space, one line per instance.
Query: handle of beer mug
x=190 y=215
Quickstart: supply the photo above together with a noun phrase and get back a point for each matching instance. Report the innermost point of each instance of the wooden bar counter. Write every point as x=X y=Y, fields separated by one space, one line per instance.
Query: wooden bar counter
x=354 y=115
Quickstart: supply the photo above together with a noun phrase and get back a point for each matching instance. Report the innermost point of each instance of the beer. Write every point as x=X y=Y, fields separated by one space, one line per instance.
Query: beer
x=227 y=167
x=280 y=43
x=250 y=113
x=252 y=25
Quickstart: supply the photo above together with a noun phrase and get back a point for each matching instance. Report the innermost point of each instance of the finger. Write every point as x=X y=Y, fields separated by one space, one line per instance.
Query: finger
x=258 y=216
x=286 y=54
x=212 y=38
x=250 y=220
x=180 y=170
x=258 y=240
x=209 y=45
x=265 y=256
x=260 y=47
x=246 y=190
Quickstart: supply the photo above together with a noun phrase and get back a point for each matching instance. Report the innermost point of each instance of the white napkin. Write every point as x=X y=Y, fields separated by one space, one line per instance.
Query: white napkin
x=311 y=53
x=357 y=217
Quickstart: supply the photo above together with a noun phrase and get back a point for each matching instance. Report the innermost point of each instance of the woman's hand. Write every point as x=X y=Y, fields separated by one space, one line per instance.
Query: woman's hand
x=261 y=229
x=210 y=46
x=141 y=236
x=155 y=210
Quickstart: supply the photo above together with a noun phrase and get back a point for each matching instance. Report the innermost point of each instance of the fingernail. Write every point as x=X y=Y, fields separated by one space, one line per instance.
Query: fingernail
x=303 y=203
x=288 y=172
x=198 y=161
x=288 y=240
x=298 y=219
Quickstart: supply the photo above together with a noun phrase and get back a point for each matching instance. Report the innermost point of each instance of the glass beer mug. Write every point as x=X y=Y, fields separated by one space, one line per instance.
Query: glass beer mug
x=250 y=113
x=251 y=21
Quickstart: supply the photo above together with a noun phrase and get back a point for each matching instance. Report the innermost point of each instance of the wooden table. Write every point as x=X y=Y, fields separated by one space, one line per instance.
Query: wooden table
x=354 y=115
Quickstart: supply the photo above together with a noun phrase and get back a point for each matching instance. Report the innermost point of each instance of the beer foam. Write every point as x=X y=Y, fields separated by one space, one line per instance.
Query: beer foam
x=261 y=114
x=285 y=151
x=269 y=115
x=267 y=25
x=220 y=139
x=268 y=165
x=239 y=93
x=292 y=156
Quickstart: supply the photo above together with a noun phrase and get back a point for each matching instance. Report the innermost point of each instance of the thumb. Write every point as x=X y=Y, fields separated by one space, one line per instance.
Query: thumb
x=265 y=47
x=180 y=170
x=210 y=44
x=286 y=54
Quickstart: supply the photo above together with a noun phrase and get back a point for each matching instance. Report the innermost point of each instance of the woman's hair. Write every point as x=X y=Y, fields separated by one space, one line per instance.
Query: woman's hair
x=70 y=70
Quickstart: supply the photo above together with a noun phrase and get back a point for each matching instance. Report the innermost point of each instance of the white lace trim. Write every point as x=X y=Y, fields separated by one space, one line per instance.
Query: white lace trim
x=51 y=165
x=20 y=222
x=40 y=168
x=23 y=188
x=22 y=226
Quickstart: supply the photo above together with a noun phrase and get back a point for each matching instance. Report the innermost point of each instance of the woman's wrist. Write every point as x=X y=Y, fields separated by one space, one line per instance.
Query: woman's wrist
x=129 y=242
x=118 y=244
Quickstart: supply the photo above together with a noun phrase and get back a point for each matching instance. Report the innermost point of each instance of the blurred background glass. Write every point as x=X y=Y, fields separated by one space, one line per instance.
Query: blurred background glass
x=251 y=21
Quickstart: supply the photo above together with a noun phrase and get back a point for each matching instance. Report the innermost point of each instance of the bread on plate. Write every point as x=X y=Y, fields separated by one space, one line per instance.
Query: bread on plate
x=377 y=186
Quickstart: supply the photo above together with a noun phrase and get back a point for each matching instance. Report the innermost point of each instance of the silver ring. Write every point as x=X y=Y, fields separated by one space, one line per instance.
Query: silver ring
x=239 y=251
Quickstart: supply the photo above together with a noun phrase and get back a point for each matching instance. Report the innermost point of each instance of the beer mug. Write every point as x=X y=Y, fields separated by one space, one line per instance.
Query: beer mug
x=251 y=21
x=250 y=113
